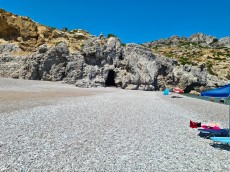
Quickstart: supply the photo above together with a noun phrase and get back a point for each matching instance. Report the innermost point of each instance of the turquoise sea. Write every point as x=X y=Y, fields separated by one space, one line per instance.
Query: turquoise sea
x=227 y=101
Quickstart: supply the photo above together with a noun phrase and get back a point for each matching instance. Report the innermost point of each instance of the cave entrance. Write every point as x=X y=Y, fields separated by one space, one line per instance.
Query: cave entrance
x=110 y=80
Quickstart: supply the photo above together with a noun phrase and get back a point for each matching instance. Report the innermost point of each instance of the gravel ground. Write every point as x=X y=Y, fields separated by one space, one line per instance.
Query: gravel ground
x=46 y=126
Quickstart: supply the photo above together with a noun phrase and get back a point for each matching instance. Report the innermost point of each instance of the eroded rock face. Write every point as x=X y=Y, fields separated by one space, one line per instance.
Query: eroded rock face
x=29 y=35
x=138 y=69
x=17 y=28
x=190 y=77
x=7 y=31
x=132 y=67
x=49 y=65
x=76 y=57
x=100 y=51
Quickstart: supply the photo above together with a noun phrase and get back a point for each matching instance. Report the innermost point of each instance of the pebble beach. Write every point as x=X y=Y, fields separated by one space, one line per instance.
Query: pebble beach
x=51 y=126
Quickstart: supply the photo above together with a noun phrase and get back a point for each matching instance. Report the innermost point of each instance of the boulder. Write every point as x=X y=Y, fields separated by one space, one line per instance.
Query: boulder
x=42 y=48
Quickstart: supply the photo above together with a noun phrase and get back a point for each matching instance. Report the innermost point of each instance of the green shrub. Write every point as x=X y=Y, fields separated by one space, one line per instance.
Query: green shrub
x=209 y=68
x=123 y=44
x=169 y=54
x=211 y=71
x=57 y=43
x=220 y=54
x=218 y=58
x=188 y=44
x=52 y=28
x=64 y=29
x=228 y=77
x=227 y=55
x=184 y=60
x=111 y=35
x=209 y=64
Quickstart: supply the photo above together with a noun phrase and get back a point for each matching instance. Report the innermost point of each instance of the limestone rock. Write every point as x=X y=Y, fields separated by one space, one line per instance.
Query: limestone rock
x=10 y=65
x=189 y=77
x=9 y=48
x=202 y=38
x=99 y=51
x=74 y=68
x=140 y=63
x=46 y=66
x=225 y=41
x=213 y=82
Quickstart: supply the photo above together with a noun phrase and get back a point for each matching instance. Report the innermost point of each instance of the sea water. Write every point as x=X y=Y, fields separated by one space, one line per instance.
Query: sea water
x=226 y=100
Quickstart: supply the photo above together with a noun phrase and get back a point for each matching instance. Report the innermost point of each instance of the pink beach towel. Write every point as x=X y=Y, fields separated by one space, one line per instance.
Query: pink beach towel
x=216 y=127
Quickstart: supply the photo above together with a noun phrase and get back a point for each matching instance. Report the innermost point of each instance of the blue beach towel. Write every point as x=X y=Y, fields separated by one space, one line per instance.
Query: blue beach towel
x=213 y=133
x=222 y=140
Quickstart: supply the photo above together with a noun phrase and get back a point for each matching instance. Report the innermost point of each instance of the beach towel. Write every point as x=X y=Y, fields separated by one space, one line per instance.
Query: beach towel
x=205 y=126
x=210 y=127
x=207 y=133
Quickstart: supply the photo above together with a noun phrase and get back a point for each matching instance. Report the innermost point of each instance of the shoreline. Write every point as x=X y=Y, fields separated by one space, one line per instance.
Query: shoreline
x=227 y=101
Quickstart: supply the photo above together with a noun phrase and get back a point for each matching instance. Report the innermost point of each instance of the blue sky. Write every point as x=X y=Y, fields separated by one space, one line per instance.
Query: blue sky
x=136 y=21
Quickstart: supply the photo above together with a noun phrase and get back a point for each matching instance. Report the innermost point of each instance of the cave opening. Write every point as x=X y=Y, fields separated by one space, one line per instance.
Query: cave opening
x=155 y=84
x=110 y=80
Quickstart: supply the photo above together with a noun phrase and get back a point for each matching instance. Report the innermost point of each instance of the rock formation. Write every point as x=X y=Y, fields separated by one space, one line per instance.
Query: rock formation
x=198 y=50
x=76 y=57
x=203 y=39
x=225 y=41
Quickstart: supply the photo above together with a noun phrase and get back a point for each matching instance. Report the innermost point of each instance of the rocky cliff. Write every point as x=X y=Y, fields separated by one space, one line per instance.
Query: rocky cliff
x=28 y=35
x=29 y=50
x=197 y=50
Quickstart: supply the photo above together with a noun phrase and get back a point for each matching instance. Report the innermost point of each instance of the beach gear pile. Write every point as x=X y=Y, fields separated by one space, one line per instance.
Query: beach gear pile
x=212 y=131
x=216 y=134
x=176 y=90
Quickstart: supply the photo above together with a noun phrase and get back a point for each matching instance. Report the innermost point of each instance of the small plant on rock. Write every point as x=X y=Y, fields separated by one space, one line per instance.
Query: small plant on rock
x=111 y=35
